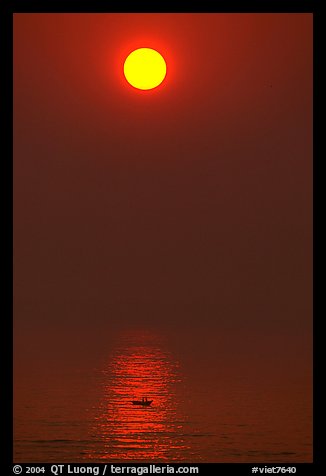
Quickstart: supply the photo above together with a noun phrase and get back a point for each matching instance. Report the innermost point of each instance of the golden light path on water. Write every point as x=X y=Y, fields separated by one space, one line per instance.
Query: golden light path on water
x=140 y=368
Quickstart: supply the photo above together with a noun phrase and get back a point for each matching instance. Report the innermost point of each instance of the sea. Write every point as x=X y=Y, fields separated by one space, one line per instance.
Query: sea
x=204 y=409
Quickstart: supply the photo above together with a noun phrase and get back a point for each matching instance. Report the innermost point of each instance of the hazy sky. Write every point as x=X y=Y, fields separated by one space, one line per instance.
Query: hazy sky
x=188 y=204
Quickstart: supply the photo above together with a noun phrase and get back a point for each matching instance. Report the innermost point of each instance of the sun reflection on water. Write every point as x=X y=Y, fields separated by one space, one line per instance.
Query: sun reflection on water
x=140 y=367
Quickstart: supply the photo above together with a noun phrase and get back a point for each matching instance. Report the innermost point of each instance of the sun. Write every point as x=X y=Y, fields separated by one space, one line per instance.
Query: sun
x=144 y=68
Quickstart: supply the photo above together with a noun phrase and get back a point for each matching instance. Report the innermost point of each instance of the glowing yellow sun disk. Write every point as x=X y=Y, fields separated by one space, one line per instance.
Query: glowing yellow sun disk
x=144 y=68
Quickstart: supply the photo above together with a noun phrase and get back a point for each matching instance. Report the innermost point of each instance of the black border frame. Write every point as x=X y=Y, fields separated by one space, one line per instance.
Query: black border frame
x=7 y=9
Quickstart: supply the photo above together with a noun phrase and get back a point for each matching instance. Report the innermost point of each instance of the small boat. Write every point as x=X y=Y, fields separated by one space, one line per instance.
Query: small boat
x=144 y=402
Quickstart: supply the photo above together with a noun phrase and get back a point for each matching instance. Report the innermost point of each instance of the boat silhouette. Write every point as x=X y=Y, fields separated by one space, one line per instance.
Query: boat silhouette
x=144 y=402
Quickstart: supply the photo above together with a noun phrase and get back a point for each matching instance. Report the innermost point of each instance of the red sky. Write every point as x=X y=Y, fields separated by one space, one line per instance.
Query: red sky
x=189 y=202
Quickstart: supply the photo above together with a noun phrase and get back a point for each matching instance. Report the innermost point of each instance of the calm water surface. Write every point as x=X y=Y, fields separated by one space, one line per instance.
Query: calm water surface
x=67 y=414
